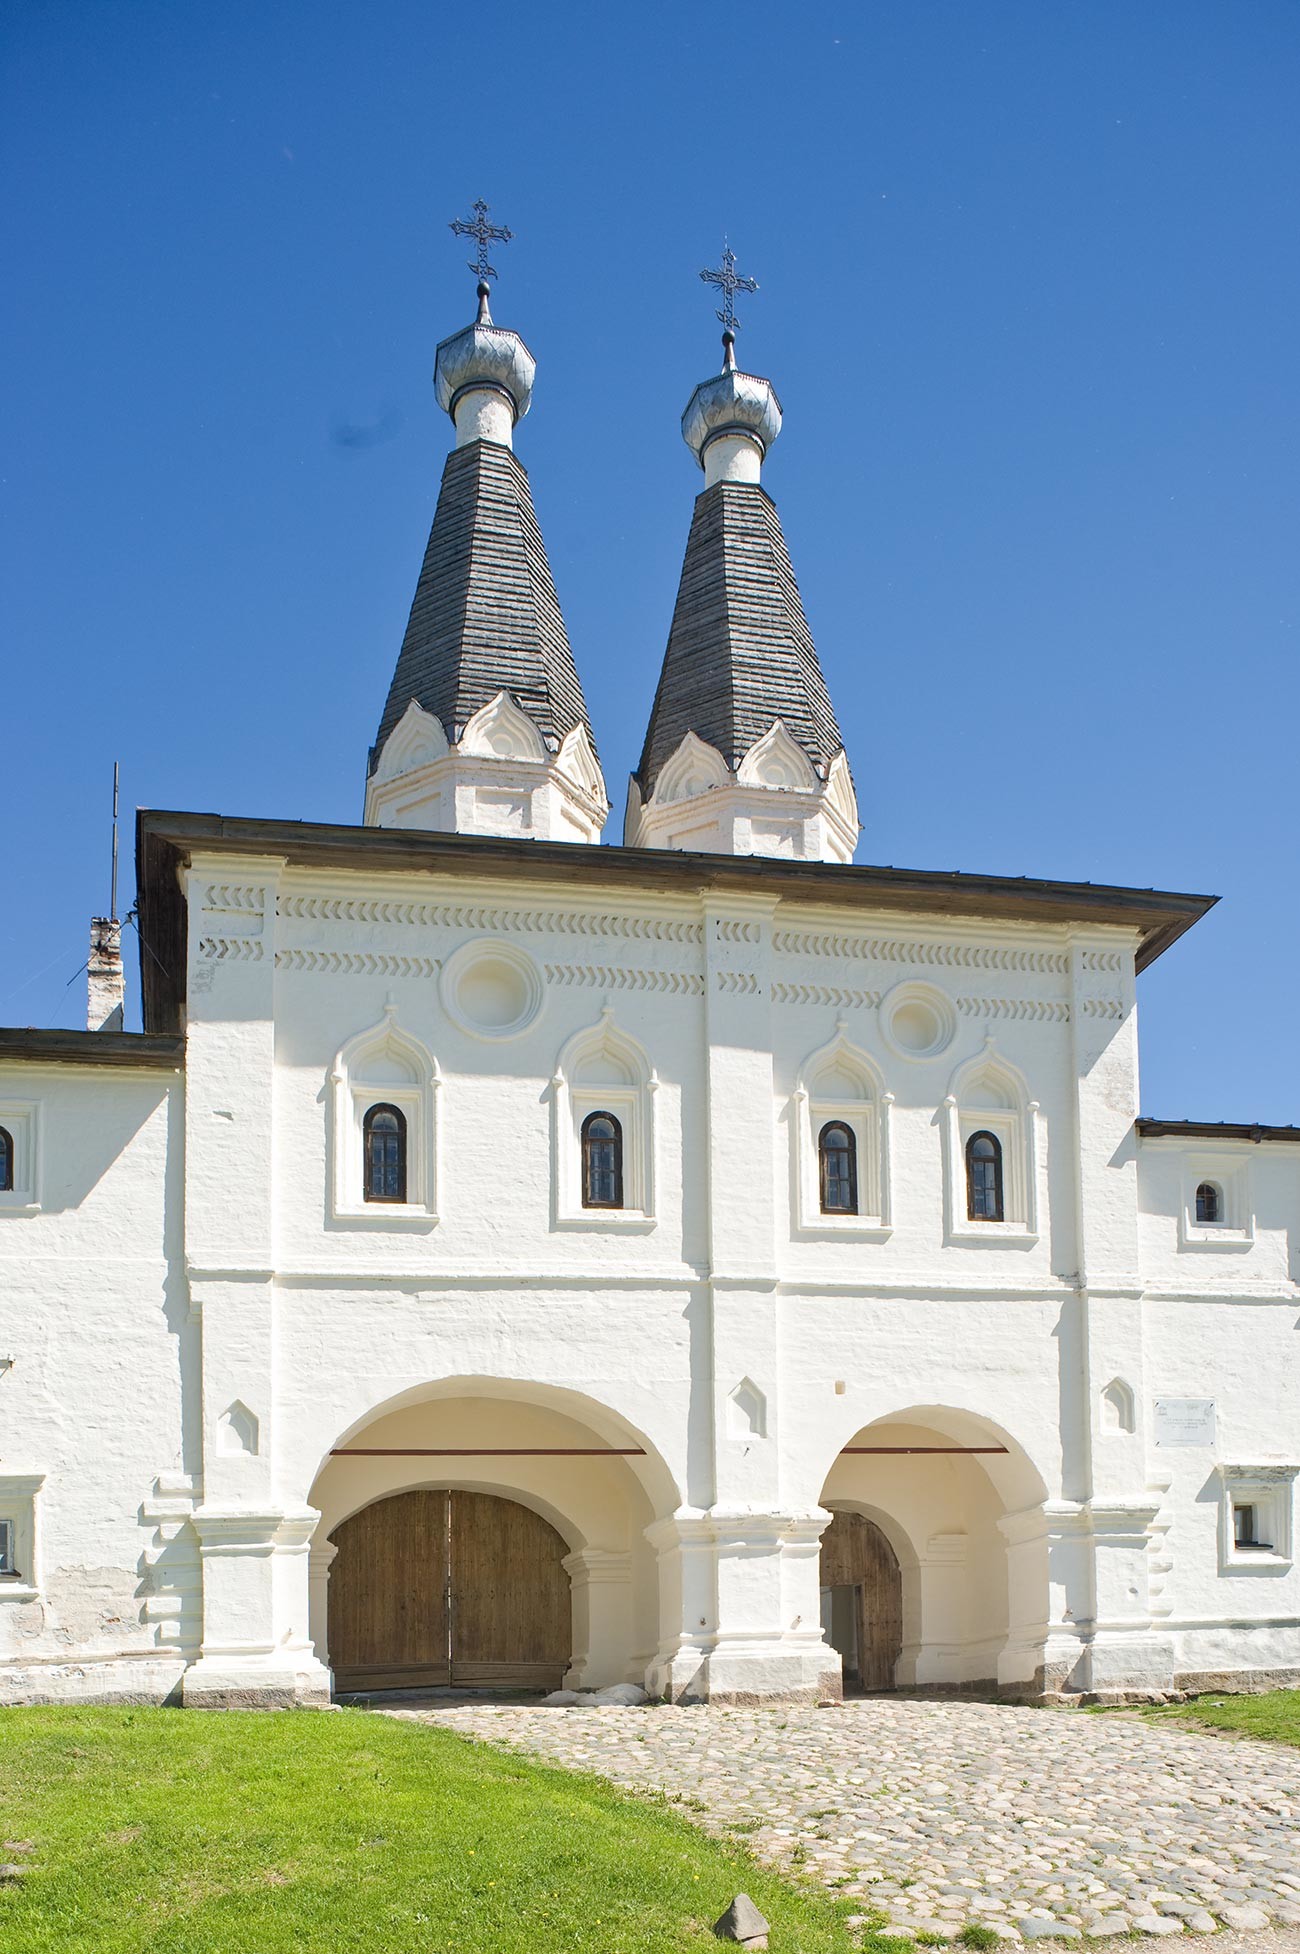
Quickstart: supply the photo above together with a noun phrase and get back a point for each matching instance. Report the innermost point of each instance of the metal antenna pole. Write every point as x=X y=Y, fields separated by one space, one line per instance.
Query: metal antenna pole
x=112 y=907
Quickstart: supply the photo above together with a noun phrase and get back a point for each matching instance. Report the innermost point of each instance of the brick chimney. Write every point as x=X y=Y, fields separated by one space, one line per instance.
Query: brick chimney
x=106 y=1000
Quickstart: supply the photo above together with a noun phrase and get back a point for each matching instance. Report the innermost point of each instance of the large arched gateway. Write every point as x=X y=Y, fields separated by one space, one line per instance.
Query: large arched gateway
x=449 y=1588
x=486 y=1533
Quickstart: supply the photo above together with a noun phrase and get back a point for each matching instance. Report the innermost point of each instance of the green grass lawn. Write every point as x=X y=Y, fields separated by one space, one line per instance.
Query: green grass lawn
x=244 y=1833
x=1275 y=1715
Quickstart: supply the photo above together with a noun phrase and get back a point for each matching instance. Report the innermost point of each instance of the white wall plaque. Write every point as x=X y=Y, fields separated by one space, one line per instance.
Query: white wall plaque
x=1184 y=1421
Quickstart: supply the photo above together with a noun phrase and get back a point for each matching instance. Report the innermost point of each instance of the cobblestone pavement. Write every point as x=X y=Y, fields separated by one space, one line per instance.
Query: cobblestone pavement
x=941 y=1813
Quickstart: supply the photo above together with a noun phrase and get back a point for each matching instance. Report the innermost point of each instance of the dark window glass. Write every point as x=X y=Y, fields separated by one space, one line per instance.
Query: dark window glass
x=7 y=1547
x=1207 y=1202
x=837 y=1150
x=984 y=1177
x=6 y=1162
x=602 y=1161
x=384 y=1130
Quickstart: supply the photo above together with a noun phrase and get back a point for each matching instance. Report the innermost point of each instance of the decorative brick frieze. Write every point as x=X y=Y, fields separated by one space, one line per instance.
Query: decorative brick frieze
x=832 y=994
x=413 y=913
x=230 y=949
x=610 y=977
x=895 y=950
x=358 y=963
x=1035 y=1010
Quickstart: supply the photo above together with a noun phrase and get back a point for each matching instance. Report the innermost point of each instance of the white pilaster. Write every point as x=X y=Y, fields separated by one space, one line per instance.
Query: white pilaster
x=602 y=1617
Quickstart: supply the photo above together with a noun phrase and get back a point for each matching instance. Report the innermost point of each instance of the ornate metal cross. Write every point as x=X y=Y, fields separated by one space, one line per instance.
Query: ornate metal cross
x=478 y=227
x=729 y=280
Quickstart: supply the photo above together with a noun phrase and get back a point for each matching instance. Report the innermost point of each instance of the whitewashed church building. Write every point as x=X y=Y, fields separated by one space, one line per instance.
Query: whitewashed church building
x=504 y=1259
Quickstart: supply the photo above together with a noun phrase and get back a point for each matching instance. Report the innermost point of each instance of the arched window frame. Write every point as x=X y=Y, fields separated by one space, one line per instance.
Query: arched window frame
x=988 y=1094
x=384 y=1066
x=828 y=1164
x=6 y=1161
x=981 y=1146
x=383 y=1109
x=593 y=1175
x=603 y=1069
x=1227 y=1170
x=839 y=1084
x=20 y=1184
x=1209 y=1204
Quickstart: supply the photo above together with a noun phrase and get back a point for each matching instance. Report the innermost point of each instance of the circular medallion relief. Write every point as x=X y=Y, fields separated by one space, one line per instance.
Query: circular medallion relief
x=918 y=1020
x=491 y=989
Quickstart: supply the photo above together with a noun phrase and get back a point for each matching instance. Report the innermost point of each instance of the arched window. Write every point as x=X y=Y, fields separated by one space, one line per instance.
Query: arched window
x=384 y=1141
x=1209 y=1202
x=984 y=1177
x=602 y=1161
x=837 y=1153
x=6 y=1162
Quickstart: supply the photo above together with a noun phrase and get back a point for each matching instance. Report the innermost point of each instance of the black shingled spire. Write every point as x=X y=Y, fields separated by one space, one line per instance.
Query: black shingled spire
x=740 y=653
x=485 y=618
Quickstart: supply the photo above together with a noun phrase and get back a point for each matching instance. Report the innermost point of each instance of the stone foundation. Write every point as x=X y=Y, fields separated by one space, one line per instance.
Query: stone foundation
x=149 y=1681
x=214 y=1684
x=1235 y=1682
x=749 y=1678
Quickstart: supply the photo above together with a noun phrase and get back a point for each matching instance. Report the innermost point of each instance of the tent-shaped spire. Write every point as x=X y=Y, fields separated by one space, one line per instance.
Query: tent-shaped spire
x=740 y=654
x=485 y=618
x=743 y=754
x=485 y=729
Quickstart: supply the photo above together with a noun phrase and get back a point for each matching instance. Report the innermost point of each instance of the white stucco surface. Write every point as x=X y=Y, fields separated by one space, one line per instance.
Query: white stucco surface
x=201 y=1312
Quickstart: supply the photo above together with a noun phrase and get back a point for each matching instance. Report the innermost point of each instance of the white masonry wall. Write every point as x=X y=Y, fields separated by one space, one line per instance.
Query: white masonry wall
x=95 y=1458
x=723 y=1329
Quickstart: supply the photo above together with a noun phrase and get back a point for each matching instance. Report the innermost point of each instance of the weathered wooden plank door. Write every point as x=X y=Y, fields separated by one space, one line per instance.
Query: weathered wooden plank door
x=857 y=1556
x=388 y=1617
x=511 y=1607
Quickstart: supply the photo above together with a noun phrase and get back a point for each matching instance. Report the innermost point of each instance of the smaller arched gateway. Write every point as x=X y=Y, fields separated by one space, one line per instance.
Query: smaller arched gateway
x=439 y=1588
x=862 y=1601
x=934 y=1566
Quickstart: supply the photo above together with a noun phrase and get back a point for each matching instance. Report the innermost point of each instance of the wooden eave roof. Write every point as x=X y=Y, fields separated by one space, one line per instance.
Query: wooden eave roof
x=1197 y=1129
x=165 y=841
x=162 y=1052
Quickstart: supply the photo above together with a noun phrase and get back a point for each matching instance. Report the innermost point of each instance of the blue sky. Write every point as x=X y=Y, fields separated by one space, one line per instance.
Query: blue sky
x=1029 y=294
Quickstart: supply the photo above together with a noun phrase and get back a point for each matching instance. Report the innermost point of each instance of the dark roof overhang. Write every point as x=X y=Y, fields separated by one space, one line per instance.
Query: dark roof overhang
x=165 y=841
x=159 y=1052
x=1201 y=1129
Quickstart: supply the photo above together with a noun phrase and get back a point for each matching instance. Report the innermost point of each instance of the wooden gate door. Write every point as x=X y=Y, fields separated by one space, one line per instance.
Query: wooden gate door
x=856 y=1555
x=388 y=1619
x=511 y=1608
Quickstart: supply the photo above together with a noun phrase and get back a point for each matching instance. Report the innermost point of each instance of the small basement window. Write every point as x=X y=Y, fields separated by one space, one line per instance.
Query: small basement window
x=1246 y=1528
x=1255 y=1517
